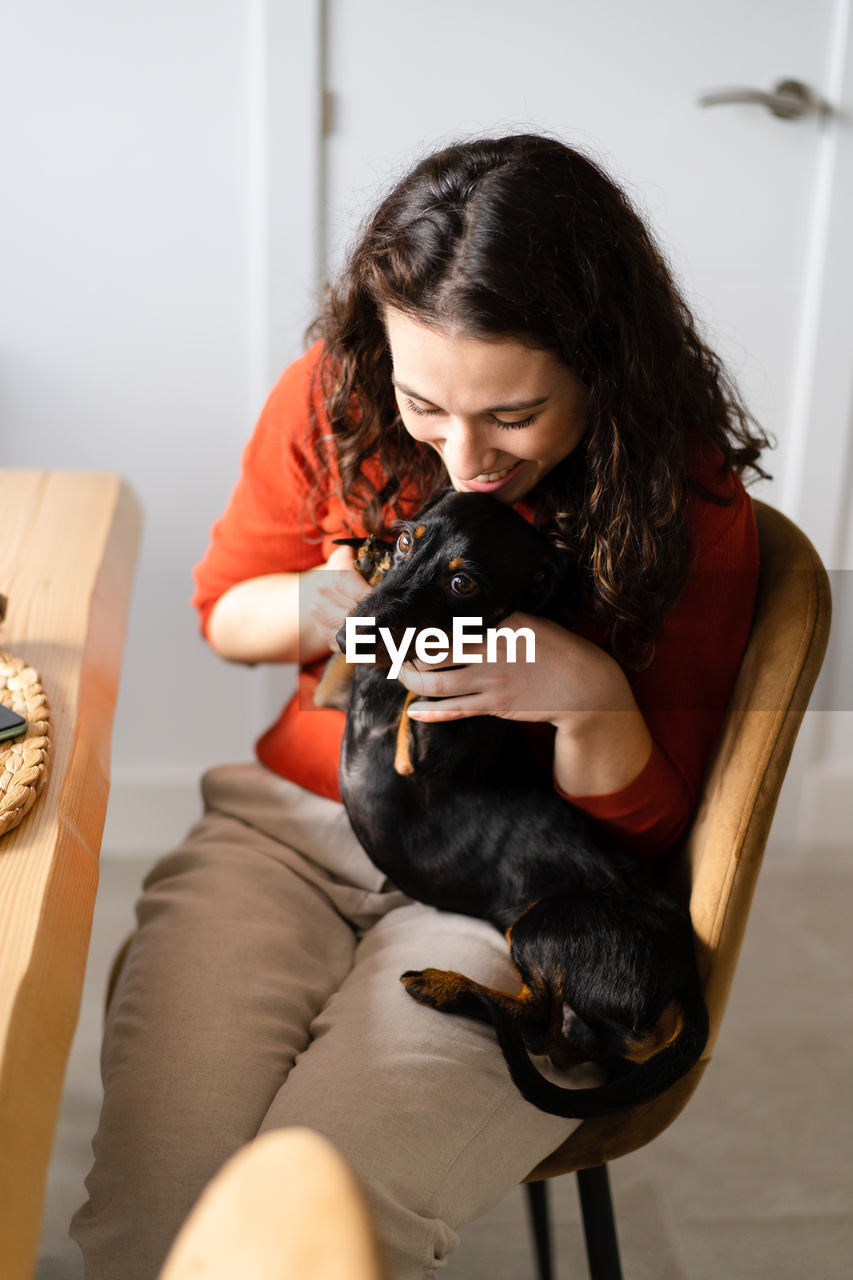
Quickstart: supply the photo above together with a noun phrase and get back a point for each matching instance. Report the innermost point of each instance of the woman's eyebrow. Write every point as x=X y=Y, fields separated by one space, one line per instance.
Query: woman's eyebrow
x=512 y=407
x=516 y=405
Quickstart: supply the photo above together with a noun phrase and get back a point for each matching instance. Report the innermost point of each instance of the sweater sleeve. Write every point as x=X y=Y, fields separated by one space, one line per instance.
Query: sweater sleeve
x=270 y=524
x=683 y=694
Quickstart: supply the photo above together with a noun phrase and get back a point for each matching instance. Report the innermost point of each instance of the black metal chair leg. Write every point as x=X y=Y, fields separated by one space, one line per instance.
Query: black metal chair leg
x=602 y=1247
x=537 y=1204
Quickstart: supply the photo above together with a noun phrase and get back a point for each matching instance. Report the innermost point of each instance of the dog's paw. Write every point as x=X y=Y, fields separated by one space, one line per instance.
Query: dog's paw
x=417 y=984
x=434 y=987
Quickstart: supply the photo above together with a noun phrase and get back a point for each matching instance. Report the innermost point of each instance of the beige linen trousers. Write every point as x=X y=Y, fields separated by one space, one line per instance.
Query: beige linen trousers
x=262 y=991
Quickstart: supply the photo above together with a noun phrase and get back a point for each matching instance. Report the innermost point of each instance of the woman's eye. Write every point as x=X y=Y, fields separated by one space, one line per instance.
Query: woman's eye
x=425 y=413
x=525 y=422
x=405 y=542
x=499 y=422
x=462 y=585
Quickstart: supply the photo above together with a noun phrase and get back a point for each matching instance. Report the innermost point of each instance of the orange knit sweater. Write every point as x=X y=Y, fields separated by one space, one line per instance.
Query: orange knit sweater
x=271 y=526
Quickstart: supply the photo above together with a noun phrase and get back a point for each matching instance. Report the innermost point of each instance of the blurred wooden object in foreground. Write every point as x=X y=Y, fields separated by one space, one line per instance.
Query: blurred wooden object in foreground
x=285 y=1207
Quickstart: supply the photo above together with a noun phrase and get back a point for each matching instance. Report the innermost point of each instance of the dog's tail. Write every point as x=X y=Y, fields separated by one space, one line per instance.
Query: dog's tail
x=640 y=1083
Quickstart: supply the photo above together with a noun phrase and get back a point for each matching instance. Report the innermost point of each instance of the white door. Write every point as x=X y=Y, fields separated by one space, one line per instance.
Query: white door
x=729 y=189
x=751 y=209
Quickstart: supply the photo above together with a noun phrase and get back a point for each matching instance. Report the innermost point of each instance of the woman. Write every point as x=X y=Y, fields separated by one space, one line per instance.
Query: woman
x=505 y=325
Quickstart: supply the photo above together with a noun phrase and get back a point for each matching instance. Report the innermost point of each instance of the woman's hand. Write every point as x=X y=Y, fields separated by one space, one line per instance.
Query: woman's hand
x=602 y=741
x=333 y=591
x=568 y=676
x=286 y=617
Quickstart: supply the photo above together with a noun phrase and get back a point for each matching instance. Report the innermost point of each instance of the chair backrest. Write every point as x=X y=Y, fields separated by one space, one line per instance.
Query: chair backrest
x=726 y=842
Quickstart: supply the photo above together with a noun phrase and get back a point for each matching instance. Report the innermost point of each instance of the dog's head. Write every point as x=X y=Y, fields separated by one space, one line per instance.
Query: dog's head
x=464 y=555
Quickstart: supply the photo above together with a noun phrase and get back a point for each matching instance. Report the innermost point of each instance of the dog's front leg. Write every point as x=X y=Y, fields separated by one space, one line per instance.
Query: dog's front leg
x=333 y=687
x=403 y=754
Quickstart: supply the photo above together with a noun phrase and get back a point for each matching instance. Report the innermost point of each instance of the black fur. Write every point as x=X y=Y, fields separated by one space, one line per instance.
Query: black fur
x=606 y=957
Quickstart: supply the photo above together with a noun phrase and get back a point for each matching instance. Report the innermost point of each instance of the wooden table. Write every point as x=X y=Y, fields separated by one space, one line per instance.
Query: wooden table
x=68 y=545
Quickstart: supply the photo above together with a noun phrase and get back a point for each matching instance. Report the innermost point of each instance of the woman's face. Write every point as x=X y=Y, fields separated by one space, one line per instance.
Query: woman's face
x=499 y=414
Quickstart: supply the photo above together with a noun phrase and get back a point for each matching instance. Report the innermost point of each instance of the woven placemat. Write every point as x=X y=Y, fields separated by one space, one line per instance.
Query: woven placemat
x=23 y=761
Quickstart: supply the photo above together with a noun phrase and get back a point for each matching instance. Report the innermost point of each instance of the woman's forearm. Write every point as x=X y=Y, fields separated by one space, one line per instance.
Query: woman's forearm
x=266 y=619
x=602 y=742
x=601 y=751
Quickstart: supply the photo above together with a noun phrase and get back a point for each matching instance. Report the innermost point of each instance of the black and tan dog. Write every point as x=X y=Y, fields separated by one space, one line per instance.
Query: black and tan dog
x=465 y=822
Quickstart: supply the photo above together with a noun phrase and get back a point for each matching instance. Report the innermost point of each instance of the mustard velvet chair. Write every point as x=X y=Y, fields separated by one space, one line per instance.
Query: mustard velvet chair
x=721 y=858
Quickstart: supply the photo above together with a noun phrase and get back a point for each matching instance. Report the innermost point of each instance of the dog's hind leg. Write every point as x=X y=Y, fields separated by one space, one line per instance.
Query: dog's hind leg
x=454 y=993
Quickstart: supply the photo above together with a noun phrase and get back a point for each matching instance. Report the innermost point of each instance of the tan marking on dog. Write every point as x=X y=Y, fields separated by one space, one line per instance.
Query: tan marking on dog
x=337 y=676
x=419 y=531
x=445 y=985
x=456 y=563
x=380 y=568
x=442 y=984
x=663 y=1033
x=508 y=933
x=402 y=755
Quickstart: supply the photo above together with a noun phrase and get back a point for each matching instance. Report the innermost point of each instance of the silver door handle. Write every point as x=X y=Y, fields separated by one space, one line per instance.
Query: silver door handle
x=789 y=99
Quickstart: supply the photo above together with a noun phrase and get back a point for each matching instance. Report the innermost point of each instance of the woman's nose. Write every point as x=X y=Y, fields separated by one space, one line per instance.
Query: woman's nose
x=466 y=454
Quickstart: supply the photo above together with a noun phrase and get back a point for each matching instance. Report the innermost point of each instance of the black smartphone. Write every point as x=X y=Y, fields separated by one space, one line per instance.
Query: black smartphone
x=11 y=724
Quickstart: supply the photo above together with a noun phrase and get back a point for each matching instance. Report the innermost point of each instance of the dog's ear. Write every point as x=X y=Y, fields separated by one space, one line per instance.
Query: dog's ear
x=372 y=556
x=369 y=545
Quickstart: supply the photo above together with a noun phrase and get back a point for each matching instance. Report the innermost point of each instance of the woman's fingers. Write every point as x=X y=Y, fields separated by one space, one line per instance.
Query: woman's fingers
x=447 y=709
x=341 y=558
x=332 y=591
x=439 y=682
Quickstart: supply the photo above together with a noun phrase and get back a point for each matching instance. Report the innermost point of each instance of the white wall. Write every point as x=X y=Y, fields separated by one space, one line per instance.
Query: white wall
x=135 y=329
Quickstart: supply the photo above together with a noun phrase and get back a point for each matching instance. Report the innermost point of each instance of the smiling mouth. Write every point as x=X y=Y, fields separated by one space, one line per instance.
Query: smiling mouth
x=488 y=477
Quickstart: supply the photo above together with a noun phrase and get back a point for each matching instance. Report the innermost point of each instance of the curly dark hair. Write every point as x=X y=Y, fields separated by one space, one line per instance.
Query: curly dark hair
x=523 y=237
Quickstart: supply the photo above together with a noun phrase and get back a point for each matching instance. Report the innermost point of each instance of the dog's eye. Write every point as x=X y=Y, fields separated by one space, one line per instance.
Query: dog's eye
x=462 y=585
x=405 y=542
